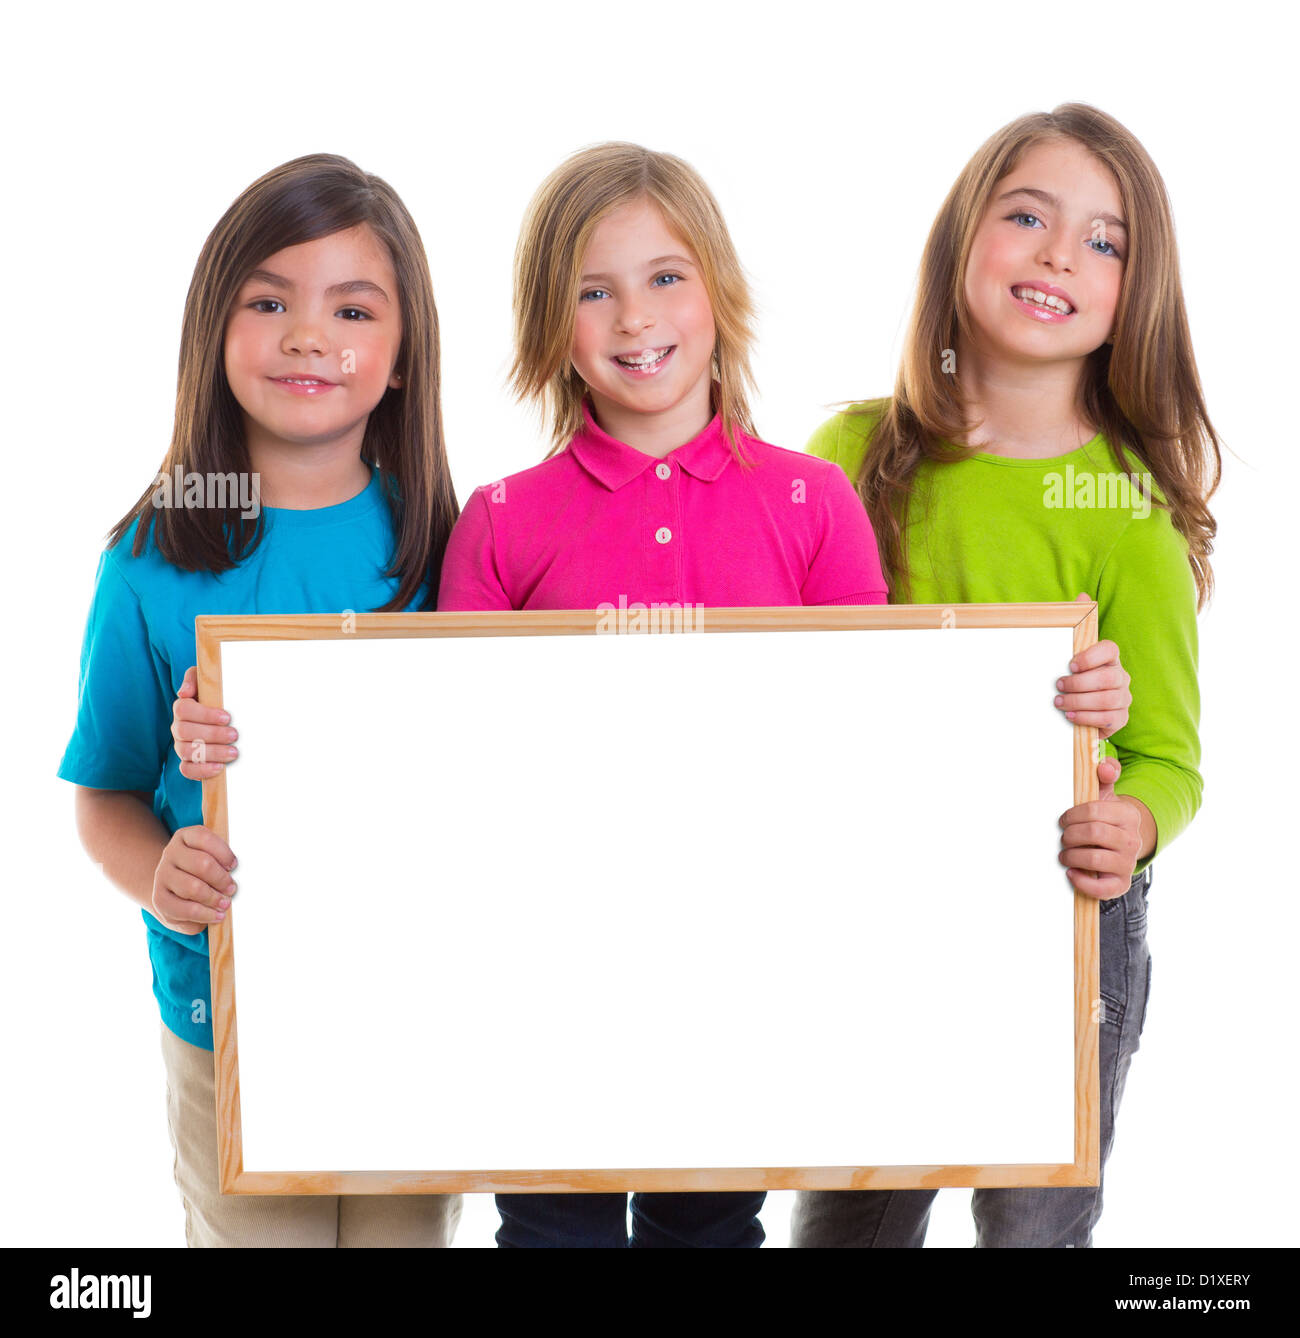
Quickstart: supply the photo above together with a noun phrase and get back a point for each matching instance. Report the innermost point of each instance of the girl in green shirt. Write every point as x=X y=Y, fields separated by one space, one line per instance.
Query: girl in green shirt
x=1048 y=435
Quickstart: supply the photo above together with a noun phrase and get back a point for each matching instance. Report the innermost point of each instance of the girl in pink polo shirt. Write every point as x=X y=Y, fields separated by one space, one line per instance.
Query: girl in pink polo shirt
x=656 y=490
x=632 y=328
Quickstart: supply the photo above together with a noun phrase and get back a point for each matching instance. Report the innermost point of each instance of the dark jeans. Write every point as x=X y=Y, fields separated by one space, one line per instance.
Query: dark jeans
x=659 y=1221
x=1026 y=1218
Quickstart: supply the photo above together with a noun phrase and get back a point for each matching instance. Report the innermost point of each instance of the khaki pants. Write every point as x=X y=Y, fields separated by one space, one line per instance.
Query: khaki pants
x=323 y=1221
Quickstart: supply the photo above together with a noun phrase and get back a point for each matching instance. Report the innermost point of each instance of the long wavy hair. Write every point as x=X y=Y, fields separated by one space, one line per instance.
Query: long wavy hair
x=1142 y=390
x=300 y=201
x=556 y=231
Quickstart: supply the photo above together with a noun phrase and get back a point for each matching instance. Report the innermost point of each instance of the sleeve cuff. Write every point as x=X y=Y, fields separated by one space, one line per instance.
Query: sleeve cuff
x=863 y=597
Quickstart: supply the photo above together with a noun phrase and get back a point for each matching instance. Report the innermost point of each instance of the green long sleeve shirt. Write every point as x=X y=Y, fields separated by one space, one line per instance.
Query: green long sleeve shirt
x=991 y=529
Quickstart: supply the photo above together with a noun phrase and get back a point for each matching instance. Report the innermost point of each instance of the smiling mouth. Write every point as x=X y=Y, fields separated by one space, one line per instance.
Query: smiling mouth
x=1047 y=301
x=304 y=385
x=645 y=362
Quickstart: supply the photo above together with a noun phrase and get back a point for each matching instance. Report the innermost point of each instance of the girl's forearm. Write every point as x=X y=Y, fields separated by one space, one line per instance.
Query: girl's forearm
x=120 y=833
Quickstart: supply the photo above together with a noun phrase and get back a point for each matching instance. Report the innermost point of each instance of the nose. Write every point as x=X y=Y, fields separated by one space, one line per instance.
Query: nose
x=632 y=318
x=304 y=337
x=1055 y=252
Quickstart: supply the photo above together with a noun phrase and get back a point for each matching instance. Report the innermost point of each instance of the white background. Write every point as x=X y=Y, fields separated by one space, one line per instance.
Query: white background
x=830 y=134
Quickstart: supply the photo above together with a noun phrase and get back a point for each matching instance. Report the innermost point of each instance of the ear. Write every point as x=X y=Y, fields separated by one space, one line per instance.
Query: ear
x=395 y=381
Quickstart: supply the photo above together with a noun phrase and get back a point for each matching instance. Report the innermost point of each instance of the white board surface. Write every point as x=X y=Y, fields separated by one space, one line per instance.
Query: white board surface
x=778 y=898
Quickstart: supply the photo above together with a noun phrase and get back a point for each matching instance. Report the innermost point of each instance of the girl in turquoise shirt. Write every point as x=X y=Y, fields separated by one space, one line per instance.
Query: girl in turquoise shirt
x=306 y=474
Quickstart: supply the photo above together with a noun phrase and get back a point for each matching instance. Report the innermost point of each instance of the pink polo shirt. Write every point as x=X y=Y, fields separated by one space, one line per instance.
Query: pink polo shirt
x=601 y=523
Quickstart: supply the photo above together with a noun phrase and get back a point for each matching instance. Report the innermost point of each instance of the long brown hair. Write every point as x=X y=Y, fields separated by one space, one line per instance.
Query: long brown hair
x=548 y=268
x=1142 y=391
x=300 y=201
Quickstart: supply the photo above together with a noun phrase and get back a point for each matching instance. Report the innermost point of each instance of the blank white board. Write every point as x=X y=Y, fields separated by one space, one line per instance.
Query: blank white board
x=781 y=898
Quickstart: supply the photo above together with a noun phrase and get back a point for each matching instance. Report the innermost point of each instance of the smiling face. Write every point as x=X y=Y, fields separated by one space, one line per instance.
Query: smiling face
x=644 y=333
x=312 y=341
x=1043 y=277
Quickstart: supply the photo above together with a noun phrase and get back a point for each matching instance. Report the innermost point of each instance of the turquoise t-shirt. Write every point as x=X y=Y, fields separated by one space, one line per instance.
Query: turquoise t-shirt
x=138 y=644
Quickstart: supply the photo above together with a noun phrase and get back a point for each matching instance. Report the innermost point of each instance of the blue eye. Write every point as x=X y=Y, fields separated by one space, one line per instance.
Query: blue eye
x=1111 y=245
x=667 y=280
x=263 y=302
x=593 y=292
x=1033 y=217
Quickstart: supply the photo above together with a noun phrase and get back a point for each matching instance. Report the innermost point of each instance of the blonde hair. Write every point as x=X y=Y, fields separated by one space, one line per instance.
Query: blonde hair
x=556 y=231
x=1142 y=390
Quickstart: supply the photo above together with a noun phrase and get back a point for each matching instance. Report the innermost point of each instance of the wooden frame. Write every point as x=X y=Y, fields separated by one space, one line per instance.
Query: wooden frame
x=213 y=631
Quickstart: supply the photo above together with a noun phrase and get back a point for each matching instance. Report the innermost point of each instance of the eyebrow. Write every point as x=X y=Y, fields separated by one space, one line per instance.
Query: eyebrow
x=1047 y=198
x=334 y=290
x=650 y=264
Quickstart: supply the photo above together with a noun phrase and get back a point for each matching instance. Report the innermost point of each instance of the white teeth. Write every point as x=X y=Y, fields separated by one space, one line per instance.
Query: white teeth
x=644 y=358
x=1042 y=299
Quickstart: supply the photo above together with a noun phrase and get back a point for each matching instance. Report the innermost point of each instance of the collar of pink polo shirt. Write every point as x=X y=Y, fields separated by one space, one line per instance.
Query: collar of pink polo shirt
x=614 y=463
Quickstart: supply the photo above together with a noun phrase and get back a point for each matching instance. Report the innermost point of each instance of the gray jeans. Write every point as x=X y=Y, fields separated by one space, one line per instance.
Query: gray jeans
x=1026 y=1218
